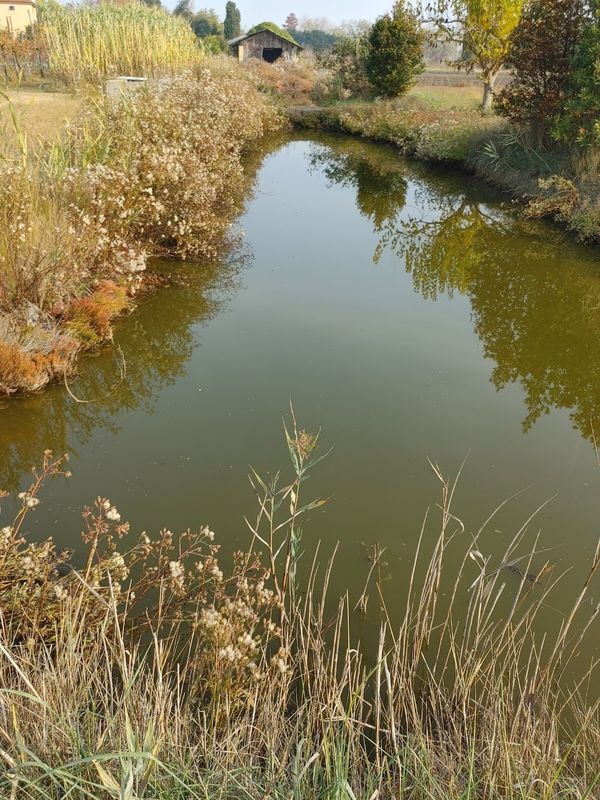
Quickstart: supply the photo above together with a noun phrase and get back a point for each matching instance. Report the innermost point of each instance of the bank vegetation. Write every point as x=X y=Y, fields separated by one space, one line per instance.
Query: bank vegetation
x=158 y=172
x=154 y=670
x=541 y=144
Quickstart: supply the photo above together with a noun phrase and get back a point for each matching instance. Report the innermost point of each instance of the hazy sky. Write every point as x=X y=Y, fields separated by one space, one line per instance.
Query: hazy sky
x=255 y=11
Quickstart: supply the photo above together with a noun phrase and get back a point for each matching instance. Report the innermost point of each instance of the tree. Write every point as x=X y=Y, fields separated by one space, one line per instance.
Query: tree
x=206 y=23
x=541 y=55
x=395 y=54
x=232 y=27
x=183 y=8
x=484 y=29
x=347 y=63
x=291 y=22
x=315 y=40
x=214 y=44
x=579 y=118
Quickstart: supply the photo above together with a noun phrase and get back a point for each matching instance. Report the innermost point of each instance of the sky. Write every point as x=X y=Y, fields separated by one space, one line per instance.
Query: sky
x=255 y=11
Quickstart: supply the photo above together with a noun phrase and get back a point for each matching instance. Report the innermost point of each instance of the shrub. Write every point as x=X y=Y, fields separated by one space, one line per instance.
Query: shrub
x=395 y=54
x=293 y=81
x=346 y=64
x=579 y=118
x=541 y=54
x=157 y=173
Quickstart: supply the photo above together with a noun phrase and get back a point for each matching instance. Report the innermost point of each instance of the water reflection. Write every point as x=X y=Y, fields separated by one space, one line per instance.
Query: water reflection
x=380 y=184
x=534 y=298
x=156 y=348
x=534 y=294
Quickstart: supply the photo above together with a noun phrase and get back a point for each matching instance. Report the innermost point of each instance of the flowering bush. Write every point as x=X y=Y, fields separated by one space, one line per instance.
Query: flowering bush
x=166 y=584
x=157 y=173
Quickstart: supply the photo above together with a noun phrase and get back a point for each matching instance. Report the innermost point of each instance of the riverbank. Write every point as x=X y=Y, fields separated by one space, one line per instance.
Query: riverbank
x=81 y=214
x=154 y=671
x=436 y=125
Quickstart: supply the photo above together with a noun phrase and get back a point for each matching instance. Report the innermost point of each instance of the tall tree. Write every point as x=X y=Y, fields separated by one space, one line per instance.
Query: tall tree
x=183 y=8
x=232 y=26
x=395 y=54
x=206 y=23
x=541 y=55
x=579 y=119
x=484 y=29
x=291 y=22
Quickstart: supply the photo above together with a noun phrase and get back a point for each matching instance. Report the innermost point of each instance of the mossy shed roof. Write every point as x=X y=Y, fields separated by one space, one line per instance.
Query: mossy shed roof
x=267 y=26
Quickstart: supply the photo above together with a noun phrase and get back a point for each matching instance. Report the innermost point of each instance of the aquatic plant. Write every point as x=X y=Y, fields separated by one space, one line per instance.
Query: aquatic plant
x=153 y=671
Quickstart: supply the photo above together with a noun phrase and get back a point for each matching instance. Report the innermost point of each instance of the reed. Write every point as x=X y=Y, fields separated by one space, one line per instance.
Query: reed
x=88 y=43
x=253 y=684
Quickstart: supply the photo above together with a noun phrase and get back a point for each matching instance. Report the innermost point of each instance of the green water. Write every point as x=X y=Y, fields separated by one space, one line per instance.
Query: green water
x=405 y=311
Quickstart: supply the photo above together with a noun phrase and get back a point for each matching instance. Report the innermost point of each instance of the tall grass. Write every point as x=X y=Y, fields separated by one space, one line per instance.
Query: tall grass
x=148 y=673
x=91 y=42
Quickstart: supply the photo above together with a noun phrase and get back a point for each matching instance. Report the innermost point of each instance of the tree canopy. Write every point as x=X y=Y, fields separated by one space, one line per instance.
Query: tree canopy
x=232 y=27
x=484 y=28
x=541 y=55
x=206 y=23
x=395 y=54
x=316 y=40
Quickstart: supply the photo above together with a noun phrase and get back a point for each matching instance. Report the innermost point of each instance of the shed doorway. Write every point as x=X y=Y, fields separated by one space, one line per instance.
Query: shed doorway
x=271 y=54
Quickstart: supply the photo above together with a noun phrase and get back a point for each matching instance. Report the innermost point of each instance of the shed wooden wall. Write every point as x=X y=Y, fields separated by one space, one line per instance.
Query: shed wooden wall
x=253 y=46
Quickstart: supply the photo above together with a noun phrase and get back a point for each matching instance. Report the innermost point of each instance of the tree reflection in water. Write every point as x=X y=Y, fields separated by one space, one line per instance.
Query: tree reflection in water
x=534 y=293
x=156 y=348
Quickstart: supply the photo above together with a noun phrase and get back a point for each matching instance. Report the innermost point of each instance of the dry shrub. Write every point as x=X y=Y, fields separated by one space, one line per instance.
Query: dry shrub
x=18 y=368
x=31 y=355
x=172 y=585
x=151 y=671
x=292 y=81
x=157 y=173
x=180 y=146
x=575 y=200
x=89 y=318
x=21 y=54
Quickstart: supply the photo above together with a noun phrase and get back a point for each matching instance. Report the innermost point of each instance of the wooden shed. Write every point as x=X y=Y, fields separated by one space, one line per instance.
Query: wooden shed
x=266 y=44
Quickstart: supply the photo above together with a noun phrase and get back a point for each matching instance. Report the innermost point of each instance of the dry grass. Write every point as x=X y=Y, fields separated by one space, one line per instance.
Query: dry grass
x=441 y=98
x=88 y=43
x=253 y=684
x=42 y=117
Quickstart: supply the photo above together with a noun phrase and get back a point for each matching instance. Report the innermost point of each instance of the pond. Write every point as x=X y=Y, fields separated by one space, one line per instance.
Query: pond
x=407 y=312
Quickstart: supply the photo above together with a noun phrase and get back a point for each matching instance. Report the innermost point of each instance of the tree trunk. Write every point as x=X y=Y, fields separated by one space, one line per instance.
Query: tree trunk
x=489 y=81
